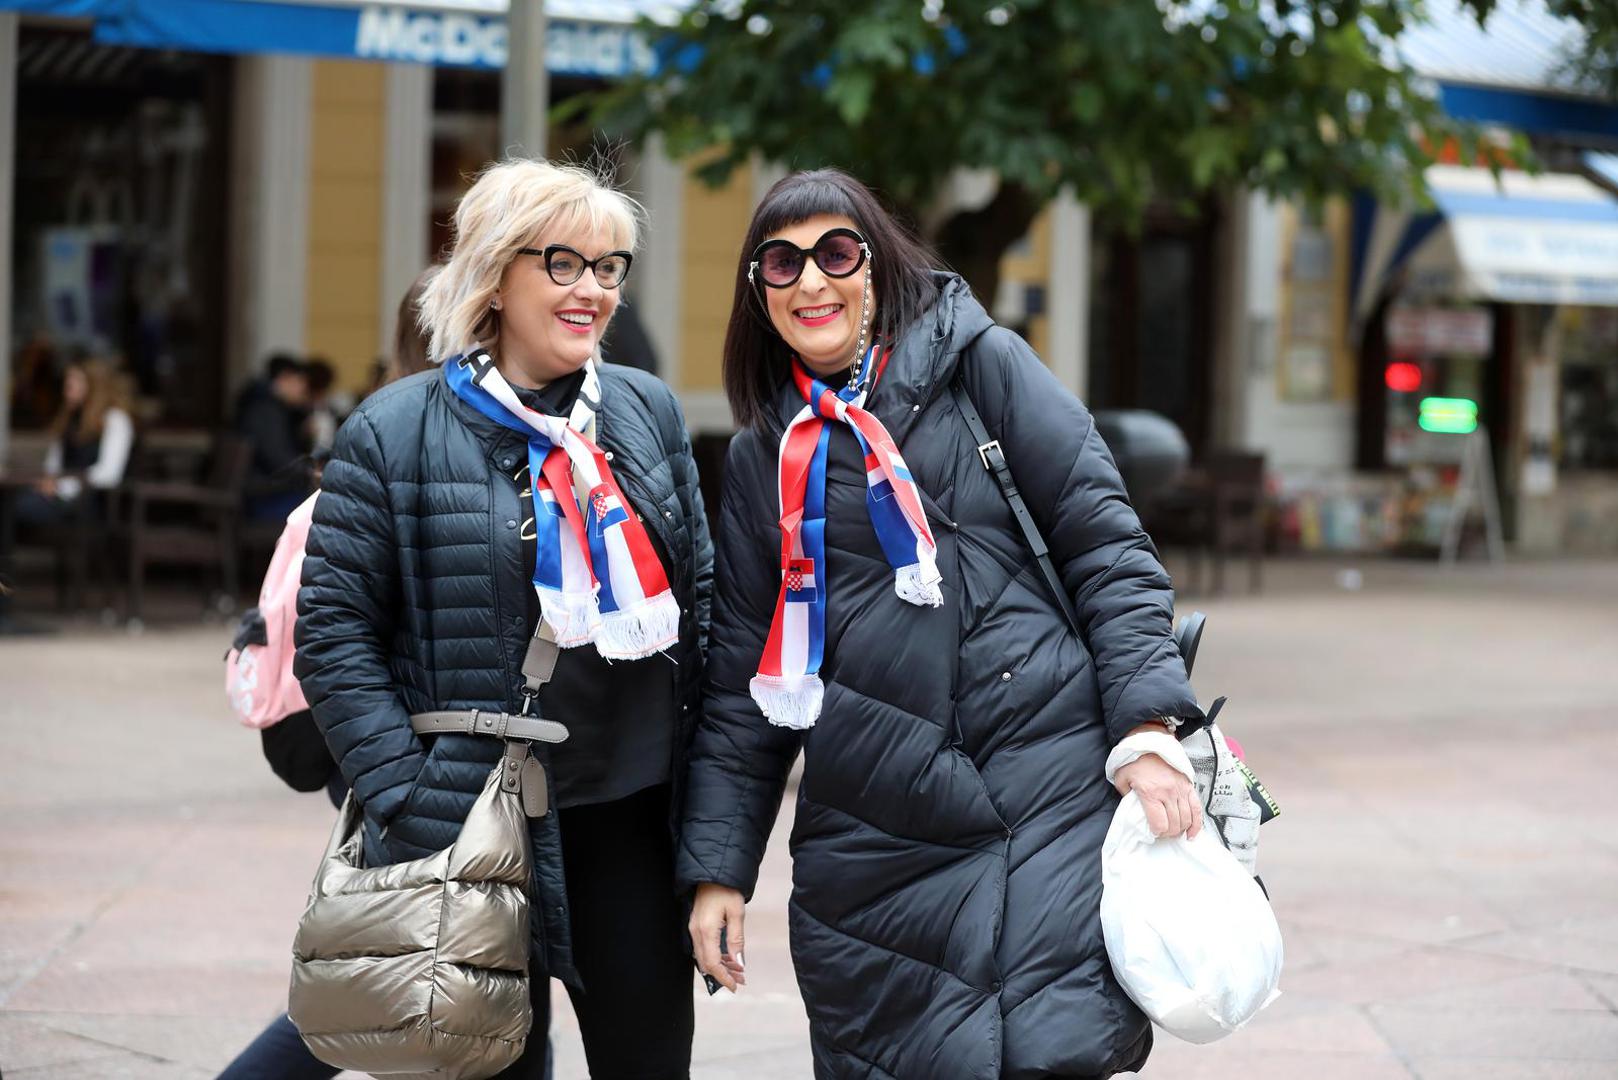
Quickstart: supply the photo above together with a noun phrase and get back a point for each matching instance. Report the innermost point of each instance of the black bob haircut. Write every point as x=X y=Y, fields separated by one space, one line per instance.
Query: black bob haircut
x=757 y=361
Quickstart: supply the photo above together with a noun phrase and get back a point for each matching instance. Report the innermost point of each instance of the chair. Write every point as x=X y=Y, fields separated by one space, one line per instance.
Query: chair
x=194 y=524
x=1215 y=511
x=80 y=543
x=1236 y=488
x=76 y=543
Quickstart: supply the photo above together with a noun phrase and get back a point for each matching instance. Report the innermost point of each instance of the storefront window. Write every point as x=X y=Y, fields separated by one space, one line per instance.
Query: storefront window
x=1434 y=380
x=1589 y=388
x=121 y=167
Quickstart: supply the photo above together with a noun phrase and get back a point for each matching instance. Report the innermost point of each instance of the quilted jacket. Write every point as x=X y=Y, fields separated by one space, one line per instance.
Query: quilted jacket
x=944 y=917
x=415 y=598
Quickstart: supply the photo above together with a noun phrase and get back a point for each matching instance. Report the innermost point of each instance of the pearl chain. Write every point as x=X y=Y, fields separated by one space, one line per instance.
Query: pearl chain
x=859 y=349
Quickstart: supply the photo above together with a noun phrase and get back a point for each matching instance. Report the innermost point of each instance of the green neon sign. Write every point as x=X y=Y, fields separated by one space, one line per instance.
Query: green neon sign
x=1448 y=416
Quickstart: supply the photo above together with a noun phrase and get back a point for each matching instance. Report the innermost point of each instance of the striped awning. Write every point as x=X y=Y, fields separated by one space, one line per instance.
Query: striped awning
x=1547 y=239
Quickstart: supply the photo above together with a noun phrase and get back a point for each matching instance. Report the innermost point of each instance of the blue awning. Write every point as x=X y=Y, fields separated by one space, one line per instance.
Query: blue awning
x=583 y=37
x=1605 y=166
x=1511 y=70
x=1545 y=239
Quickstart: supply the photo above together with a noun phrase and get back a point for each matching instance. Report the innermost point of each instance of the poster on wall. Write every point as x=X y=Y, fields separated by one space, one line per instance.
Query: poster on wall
x=1312 y=329
x=1307 y=366
x=81 y=283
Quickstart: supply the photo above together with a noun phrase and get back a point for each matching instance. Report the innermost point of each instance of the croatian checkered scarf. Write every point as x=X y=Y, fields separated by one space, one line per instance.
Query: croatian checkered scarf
x=788 y=687
x=595 y=570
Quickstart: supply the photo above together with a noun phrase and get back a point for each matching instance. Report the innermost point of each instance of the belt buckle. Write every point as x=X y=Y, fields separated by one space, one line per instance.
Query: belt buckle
x=983 y=453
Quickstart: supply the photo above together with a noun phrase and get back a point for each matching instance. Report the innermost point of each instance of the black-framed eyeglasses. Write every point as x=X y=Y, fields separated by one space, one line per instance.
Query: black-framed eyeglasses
x=565 y=266
x=780 y=263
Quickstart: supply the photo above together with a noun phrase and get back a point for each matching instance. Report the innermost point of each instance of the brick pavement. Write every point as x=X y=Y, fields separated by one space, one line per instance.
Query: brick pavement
x=1443 y=745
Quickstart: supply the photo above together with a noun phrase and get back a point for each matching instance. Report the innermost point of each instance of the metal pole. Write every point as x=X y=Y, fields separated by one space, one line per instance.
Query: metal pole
x=525 y=84
x=8 y=158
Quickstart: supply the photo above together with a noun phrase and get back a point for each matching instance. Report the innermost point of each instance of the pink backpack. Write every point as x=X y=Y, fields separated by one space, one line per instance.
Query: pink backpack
x=258 y=669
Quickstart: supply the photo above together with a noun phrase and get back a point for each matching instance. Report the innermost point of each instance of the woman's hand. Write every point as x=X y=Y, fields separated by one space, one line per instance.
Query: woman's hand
x=719 y=908
x=1170 y=800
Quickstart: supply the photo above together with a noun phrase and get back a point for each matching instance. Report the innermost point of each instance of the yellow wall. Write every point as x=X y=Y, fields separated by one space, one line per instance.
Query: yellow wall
x=1315 y=313
x=1032 y=267
x=715 y=224
x=345 y=218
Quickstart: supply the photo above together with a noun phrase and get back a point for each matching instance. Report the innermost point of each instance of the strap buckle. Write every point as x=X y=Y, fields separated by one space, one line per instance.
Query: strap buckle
x=983 y=454
x=486 y=723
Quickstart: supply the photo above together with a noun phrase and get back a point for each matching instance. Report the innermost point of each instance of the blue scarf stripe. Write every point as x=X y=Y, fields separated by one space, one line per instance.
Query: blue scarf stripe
x=548 y=525
x=814 y=546
x=887 y=516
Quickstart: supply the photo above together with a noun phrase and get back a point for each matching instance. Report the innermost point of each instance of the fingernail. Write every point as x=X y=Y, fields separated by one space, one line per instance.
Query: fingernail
x=740 y=962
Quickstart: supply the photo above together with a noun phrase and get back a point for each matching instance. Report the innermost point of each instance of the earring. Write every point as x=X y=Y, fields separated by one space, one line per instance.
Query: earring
x=495 y=303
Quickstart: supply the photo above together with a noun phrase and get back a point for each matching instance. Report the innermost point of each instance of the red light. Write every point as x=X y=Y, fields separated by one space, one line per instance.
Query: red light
x=1403 y=377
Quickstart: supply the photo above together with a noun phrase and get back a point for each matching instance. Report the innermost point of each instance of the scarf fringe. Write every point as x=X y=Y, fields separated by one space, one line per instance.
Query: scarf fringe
x=919 y=584
x=639 y=632
x=573 y=618
x=789 y=702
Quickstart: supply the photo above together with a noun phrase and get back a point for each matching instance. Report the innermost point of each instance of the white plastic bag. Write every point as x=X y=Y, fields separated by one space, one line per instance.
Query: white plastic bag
x=1190 y=934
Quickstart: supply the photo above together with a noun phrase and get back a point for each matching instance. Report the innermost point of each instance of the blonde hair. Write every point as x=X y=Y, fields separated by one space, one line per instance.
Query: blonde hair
x=107 y=389
x=514 y=204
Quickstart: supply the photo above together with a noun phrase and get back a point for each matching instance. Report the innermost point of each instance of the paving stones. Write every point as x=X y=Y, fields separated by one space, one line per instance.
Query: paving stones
x=1445 y=868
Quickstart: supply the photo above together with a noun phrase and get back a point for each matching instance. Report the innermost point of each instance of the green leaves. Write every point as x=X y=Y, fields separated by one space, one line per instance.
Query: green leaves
x=851 y=92
x=1123 y=101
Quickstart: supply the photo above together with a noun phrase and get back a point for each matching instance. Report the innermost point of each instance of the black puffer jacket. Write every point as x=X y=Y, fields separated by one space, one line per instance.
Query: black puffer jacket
x=415 y=598
x=947 y=880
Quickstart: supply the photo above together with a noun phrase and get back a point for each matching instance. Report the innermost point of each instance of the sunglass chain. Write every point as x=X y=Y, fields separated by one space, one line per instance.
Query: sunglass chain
x=859 y=349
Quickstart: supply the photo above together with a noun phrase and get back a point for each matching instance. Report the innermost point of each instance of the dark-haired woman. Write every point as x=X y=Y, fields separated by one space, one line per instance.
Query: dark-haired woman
x=877 y=607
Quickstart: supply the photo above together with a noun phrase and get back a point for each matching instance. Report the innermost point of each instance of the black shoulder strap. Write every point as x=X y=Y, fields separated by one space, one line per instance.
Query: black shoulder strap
x=994 y=460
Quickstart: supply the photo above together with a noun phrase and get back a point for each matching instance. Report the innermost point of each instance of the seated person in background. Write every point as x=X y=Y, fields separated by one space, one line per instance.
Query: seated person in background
x=91 y=439
x=270 y=415
x=329 y=405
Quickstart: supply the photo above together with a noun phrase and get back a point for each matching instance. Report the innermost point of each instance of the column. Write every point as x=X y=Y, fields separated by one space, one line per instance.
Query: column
x=1245 y=387
x=270 y=217
x=766 y=174
x=525 y=83
x=1068 y=300
x=407 y=189
x=655 y=285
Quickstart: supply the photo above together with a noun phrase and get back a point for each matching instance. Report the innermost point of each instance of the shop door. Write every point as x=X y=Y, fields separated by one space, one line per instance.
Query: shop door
x=1151 y=339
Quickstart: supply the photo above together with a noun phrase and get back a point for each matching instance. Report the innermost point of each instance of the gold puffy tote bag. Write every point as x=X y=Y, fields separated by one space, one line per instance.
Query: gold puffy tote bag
x=420 y=969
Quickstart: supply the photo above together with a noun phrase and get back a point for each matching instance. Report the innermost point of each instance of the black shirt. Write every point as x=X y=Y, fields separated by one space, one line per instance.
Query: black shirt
x=79 y=454
x=620 y=714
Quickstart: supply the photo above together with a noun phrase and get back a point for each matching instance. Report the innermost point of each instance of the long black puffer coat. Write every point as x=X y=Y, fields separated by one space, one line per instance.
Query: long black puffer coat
x=947 y=880
x=415 y=598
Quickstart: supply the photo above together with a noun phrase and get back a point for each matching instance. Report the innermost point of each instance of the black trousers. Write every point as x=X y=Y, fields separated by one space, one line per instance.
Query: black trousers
x=635 y=1011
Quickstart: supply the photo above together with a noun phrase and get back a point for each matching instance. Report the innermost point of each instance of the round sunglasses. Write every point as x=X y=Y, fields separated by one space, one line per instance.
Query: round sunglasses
x=565 y=266
x=779 y=263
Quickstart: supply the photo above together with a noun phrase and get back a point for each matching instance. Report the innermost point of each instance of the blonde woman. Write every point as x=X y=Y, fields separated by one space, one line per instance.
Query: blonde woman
x=91 y=439
x=452 y=523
